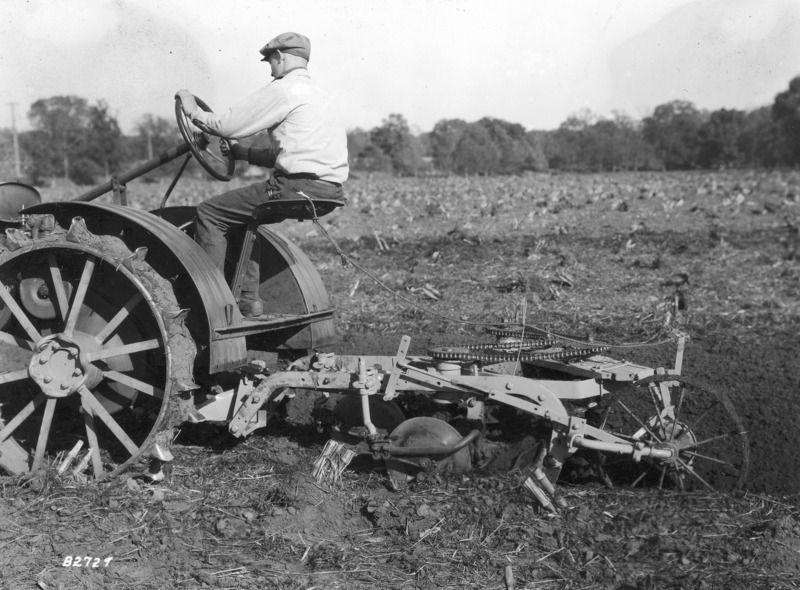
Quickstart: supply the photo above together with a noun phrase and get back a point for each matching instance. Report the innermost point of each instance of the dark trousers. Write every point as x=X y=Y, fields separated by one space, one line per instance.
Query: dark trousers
x=223 y=219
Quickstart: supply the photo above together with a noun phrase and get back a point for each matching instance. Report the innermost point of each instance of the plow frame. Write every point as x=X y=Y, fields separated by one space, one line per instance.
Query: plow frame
x=390 y=376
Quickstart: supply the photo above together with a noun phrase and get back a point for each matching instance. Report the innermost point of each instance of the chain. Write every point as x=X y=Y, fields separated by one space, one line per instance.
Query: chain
x=511 y=345
x=499 y=356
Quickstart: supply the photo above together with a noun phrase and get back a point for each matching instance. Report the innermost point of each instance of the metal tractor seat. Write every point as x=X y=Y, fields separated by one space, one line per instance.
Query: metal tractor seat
x=275 y=212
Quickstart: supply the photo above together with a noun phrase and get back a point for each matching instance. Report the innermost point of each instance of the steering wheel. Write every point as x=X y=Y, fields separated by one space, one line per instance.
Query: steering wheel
x=206 y=151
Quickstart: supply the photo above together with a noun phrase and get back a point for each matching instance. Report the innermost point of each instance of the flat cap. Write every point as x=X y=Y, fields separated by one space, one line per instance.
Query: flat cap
x=293 y=43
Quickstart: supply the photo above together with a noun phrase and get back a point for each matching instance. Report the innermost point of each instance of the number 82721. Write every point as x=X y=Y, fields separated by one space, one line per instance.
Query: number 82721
x=85 y=561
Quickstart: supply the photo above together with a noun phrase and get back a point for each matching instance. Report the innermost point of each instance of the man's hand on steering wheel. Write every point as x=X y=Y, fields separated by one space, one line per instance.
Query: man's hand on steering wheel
x=188 y=103
x=219 y=165
x=238 y=151
x=202 y=139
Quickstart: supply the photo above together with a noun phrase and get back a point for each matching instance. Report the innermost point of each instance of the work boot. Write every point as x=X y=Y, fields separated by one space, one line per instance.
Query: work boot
x=250 y=305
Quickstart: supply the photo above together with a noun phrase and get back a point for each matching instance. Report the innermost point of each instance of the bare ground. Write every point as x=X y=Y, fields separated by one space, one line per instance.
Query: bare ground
x=589 y=256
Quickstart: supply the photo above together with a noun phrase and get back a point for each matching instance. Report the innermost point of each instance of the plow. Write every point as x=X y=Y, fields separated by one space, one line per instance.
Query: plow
x=117 y=329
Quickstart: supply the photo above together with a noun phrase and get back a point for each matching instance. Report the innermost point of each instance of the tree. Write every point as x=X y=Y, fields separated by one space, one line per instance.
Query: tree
x=72 y=139
x=517 y=153
x=566 y=147
x=672 y=131
x=157 y=134
x=357 y=142
x=759 y=141
x=62 y=121
x=394 y=139
x=634 y=152
x=443 y=140
x=720 y=138
x=786 y=114
x=476 y=152
x=104 y=145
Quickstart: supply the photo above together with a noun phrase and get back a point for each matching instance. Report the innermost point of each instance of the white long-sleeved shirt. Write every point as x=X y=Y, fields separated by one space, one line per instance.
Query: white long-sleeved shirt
x=305 y=133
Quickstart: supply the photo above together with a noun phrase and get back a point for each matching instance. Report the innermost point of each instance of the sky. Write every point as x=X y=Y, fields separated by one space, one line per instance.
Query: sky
x=532 y=62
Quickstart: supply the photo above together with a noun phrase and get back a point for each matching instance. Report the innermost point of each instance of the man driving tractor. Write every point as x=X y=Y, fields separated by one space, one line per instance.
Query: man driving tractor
x=308 y=153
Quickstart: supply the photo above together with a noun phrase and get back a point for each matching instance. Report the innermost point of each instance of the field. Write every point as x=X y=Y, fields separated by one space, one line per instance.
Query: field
x=620 y=258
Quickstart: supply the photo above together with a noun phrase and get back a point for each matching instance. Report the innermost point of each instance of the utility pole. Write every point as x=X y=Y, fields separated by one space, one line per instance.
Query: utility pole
x=17 y=170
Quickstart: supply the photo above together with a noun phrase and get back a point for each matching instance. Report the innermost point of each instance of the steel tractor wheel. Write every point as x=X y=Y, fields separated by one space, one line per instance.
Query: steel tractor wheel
x=95 y=354
x=709 y=443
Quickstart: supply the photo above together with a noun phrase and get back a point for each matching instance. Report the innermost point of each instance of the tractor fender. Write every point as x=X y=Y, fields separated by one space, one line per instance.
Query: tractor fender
x=289 y=284
x=199 y=286
x=15 y=196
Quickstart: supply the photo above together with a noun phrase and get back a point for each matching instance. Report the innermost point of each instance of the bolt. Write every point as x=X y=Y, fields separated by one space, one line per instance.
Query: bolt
x=48 y=379
x=65 y=386
x=234 y=428
x=77 y=372
x=42 y=360
x=509 y=387
x=256 y=399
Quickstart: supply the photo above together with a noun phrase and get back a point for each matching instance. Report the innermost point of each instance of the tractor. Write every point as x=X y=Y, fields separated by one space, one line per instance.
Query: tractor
x=117 y=329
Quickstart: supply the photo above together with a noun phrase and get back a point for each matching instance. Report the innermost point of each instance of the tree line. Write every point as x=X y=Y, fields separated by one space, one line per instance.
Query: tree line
x=74 y=139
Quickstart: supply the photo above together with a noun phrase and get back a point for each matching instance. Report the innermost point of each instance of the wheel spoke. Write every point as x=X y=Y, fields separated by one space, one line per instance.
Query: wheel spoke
x=657 y=408
x=44 y=433
x=694 y=455
x=693 y=426
x=17 y=312
x=12 y=376
x=661 y=477
x=708 y=437
x=80 y=294
x=15 y=341
x=692 y=472
x=641 y=477
x=12 y=425
x=91 y=436
x=134 y=383
x=123 y=350
x=109 y=421
x=58 y=285
x=123 y=313
x=731 y=434
x=678 y=409
x=635 y=417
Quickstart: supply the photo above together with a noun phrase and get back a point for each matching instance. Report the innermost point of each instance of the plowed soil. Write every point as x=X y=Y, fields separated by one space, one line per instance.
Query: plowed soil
x=623 y=258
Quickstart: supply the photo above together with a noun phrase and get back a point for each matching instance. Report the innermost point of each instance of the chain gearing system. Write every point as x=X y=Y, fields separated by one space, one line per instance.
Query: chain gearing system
x=510 y=346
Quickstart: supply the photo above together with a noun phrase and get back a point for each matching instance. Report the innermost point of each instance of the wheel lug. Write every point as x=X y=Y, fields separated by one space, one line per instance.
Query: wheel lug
x=48 y=379
x=64 y=386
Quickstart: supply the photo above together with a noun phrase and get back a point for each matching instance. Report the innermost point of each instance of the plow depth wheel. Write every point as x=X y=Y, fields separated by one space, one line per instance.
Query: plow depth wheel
x=709 y=443
x=87 y=352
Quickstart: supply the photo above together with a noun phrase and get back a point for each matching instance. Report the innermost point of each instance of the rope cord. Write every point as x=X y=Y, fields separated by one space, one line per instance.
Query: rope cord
x=523 y=326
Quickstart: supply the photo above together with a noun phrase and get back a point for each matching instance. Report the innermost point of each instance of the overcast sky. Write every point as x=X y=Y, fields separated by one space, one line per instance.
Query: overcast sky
x=532 y=62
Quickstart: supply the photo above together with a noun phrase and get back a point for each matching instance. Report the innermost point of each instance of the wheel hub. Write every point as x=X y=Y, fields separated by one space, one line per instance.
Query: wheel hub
x=37 y=299
x=675 y=436
x=58 y=365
